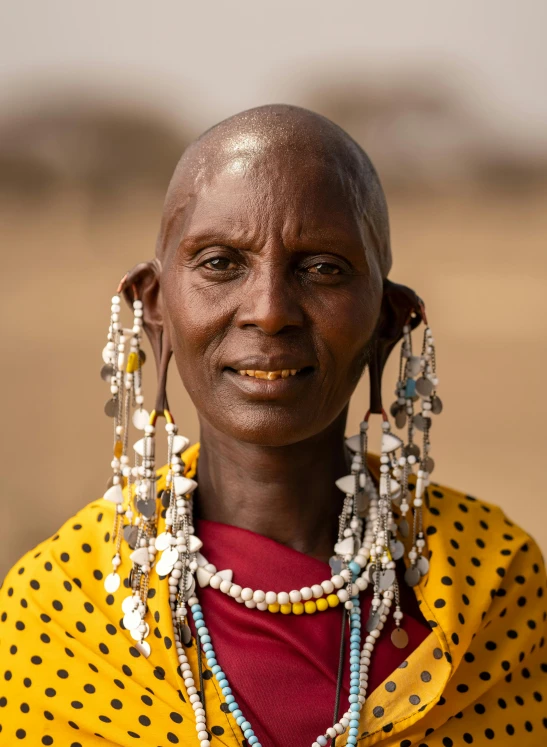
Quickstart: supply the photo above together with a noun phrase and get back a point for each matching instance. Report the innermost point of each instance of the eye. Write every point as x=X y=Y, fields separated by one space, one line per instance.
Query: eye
x=324 y=268
x=218 y=263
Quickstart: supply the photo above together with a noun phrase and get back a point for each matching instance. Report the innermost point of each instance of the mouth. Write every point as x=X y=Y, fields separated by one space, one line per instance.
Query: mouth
x=284 y=373
x=263 y=383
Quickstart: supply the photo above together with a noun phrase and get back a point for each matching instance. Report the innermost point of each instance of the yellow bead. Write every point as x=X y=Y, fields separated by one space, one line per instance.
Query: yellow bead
x=133 y=363
x=286 y=609
x=333 y=600
x=310 y=607
x=298 y=608
x=322 y=604
x=118 y=449
x=273 y=607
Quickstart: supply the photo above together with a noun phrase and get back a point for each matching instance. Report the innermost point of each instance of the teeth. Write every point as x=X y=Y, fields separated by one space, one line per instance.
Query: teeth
x=270 y=375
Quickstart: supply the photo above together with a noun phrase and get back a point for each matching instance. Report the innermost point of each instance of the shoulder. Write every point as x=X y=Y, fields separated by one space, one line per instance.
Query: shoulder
x=78 y=554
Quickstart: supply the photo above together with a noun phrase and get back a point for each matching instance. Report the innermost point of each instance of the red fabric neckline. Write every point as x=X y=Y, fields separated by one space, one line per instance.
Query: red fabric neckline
x=283 y=668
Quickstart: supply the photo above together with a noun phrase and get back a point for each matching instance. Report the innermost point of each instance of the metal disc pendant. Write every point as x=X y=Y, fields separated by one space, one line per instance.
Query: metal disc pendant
x=400 y=418
x=394 y=409
x=399 y=638
x=404 y=527
x=428 y=465
x=185 y=634
x=436 y=405
x=419 y=422
x=189 y=591
x=130 y=534
x=414 y=365
x=111 y=408
x=142 y=356
x=137 y=634
x=397 y=550
x=373 y=620
x=146 y=508
x=163 y=541
x=144 y=648
x=112 y=582
x=129 y=604
x=369 y=572
x=412 y=450
x=424 y=387
x=140 y=418
x=131 y=620
x=412 y=576
x=165 y=498
x=422 y=564
x=107 y=355
x=386 y=579
x=107 y=372
x=335 y=565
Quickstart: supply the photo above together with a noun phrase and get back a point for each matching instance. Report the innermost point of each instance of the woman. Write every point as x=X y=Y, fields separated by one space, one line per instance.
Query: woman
x=347 y=597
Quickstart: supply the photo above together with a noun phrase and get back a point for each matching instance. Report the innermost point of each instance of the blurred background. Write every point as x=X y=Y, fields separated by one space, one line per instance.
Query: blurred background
x=99 y=100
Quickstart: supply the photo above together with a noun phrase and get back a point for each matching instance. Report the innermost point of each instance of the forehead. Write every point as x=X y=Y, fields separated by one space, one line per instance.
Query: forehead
x=251 y=187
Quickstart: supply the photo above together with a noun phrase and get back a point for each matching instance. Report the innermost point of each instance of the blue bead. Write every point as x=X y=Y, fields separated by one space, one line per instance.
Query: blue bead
x=204 y=630
x=354 y=567
x=353 y=698
x=354 y=723
x=217 y=668
x=195 y=608
x=252 y=740
x=233 y=706
x=248 y=733
x=237 y=713
x=410 y=389
x=353 y=732
x=230 y=699
x=355 y=707
x=240 y=720
x=208 y=647
x=198 y=615
x=199 y=624
x=352 y=740
x=354 y=690
x=204 y=638
x=354 y=668
x=226 y=691
x=220 y=675
x=211 y=661
x=223 y=683
x=245 y=725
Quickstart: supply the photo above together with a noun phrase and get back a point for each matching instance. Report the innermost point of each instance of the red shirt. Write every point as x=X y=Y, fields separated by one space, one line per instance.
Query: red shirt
x=283 y=668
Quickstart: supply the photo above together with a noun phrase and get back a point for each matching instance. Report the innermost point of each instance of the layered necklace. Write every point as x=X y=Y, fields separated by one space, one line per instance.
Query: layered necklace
x=365 y=553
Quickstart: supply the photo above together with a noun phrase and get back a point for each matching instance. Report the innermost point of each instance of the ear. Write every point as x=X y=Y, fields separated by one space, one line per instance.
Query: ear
x=400 y=306
x=143 y=282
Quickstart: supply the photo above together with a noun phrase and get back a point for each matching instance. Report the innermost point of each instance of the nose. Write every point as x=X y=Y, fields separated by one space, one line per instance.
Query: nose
x=270 y=300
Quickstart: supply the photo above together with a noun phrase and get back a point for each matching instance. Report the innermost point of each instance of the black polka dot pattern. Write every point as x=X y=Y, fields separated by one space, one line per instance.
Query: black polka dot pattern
x=71 y=675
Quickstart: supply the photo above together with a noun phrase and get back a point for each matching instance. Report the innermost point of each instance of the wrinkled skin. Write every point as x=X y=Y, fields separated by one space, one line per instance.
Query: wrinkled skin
x=272 y=254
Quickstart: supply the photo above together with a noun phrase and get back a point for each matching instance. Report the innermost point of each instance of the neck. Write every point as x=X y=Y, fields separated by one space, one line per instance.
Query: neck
x=286 y=493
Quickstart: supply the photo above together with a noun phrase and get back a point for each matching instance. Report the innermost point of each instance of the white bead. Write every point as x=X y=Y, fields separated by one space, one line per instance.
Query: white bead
x=271 y=597
x=251 y=604
x=283 y=597
x=262 y=606
x=337 y=582
x=328 y=587
x=348 y=605
x=317 y=591
x=343 y=595
x=331 y=732
x=306 y=593
x=338 y=728
x=259 y=596
x=202 y=735
x=246 y=594
x=295 y=596
x=225 y=587
x=195 y=698
x=215 y=582
x=235 y=590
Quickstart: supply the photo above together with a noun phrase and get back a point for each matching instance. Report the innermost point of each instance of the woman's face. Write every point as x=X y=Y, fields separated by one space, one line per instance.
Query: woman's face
x=273 y=273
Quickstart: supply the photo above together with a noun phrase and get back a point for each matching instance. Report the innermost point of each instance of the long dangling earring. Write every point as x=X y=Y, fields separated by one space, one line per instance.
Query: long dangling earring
x=417 y=383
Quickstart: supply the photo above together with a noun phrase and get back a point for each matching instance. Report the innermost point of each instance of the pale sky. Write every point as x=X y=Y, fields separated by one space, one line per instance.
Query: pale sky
x=202 y=61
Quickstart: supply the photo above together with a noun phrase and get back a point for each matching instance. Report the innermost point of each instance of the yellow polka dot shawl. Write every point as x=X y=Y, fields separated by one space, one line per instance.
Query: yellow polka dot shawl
x=70 y=676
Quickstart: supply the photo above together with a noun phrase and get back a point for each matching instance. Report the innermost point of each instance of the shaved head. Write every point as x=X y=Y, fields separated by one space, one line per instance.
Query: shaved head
x=286 y=143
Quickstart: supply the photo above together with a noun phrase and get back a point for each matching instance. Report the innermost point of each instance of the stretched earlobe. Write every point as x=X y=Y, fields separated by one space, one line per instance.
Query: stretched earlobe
x=143 y=282
x=400 y=306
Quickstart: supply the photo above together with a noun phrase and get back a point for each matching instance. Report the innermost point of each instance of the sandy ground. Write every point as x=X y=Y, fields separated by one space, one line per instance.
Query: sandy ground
x=479 y=260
